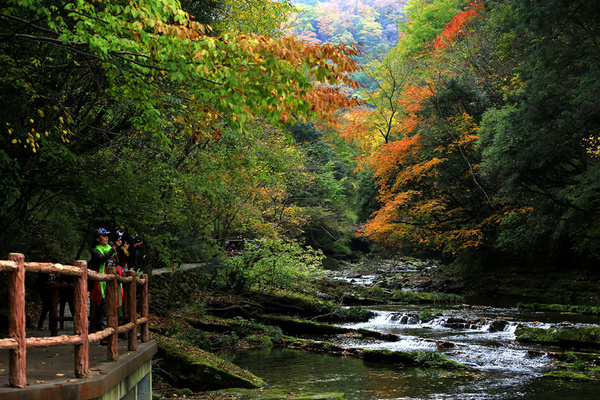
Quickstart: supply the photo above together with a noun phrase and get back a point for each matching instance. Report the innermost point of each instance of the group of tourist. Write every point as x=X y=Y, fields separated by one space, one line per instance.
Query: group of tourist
x=123 y=252
x=118 y=249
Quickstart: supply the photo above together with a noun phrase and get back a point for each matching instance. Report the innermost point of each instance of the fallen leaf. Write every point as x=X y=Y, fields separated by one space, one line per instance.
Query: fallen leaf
x=59 y=374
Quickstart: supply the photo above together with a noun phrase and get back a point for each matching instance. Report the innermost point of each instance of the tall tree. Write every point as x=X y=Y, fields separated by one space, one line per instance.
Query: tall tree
x=79 y=80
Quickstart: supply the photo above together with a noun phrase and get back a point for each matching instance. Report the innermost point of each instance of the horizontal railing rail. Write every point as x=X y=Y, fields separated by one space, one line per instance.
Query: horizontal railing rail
x=17 y=343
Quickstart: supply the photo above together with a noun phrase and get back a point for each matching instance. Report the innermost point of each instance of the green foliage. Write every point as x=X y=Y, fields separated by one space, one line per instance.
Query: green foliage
x=327 y=197
x=270 y=265
x=113 y=115
x=533 y=147
x=429 y=315
x=263 y=17
x=421 y=357
x=366 y=198
x=425 y=297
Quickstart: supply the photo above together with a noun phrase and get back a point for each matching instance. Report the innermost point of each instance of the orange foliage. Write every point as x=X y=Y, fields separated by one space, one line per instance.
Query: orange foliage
x=456 y=27
x=394 y=155
x=418 y=208
x=411 y=103
x=359 y=126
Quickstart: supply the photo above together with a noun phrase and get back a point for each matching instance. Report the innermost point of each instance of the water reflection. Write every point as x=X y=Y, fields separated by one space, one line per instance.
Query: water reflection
x=301 y=371
x=304 y=371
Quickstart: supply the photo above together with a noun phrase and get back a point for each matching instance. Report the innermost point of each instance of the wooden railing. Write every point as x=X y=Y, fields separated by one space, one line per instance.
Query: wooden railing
x=17 y=343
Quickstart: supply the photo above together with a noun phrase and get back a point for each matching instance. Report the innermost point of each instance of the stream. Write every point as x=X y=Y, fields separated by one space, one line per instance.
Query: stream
x=479 y=336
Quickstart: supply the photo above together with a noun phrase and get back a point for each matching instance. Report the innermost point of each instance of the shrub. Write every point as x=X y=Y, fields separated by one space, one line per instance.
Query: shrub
x=421 y=357
x=428 y=315
x=271 y=264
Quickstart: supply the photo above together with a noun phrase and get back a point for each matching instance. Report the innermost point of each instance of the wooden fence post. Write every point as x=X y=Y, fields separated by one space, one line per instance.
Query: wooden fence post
x=16 y=322
x=80 y=321
x=132 y=344
x=144 y=312
x=111 y=314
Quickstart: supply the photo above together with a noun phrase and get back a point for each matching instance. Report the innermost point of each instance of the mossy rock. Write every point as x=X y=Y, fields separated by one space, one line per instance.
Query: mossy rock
x=388 y=337
x=180 y=392
x=585 y=336
x=247 y=394
x=321 y=347
x=571 y=356
x=274 y=394
x=188 y=366
x=570 y=376
x=294 y=326
x=560 y=308
x=322 y=396
x=429 y=359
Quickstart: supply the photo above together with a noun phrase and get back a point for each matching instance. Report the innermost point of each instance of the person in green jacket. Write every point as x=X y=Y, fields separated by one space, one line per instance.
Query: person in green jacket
x=103 y=255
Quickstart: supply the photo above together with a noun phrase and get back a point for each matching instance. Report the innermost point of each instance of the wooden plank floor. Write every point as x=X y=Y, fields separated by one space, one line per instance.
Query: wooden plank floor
x=53 y=367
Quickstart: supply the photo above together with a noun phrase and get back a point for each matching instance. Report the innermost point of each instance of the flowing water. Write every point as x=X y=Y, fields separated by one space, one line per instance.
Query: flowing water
x=481 y=337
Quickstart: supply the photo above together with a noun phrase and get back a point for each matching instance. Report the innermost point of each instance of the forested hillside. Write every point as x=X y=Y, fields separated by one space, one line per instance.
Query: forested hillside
x=199 y=121
x=482 y=138
x=372 y=23
x=174 y=126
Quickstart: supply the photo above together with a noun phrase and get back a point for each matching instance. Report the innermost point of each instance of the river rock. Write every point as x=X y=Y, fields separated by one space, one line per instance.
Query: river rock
x=446 y=345
x=456 y=323
x=497 y=325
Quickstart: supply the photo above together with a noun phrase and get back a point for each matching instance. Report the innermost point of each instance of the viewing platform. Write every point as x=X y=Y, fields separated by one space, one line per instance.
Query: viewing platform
x=77 y=366
x=50 y=374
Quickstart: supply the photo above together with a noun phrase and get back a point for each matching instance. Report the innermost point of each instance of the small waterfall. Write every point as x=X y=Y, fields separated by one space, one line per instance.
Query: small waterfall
x=404 y=318
x=389 y=318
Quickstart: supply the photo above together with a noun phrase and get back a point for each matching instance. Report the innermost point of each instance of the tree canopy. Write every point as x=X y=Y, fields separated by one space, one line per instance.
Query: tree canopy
x=477 y=137
x=108 y=107
x=490 y=126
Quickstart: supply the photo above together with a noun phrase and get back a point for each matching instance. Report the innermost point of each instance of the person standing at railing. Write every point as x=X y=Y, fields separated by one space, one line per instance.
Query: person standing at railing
x=135 y=250
x=42 y=284
x=103 y=255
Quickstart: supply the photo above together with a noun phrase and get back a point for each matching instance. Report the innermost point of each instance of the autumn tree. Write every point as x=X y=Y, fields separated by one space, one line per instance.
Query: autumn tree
x=82 y=84
x=494 y=157
x=426 y=171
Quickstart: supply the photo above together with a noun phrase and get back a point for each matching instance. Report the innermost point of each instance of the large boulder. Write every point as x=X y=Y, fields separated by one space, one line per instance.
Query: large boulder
x=430 y=359
x=184 y=365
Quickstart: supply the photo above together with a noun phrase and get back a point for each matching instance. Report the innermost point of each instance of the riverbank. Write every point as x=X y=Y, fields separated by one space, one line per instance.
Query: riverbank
x=568 y=286
x=213 y=322
x=189 y=340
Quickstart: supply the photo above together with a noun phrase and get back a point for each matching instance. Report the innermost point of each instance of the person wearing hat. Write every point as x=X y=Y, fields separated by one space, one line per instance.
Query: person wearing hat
x=103 y=255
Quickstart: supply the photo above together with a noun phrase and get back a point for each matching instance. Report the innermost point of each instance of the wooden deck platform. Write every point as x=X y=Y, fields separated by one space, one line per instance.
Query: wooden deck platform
x=50 y=372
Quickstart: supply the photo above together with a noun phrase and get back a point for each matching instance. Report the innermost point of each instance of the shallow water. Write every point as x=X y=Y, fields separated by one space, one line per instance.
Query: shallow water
x=502 y=368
